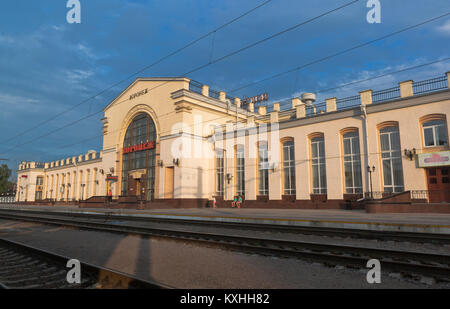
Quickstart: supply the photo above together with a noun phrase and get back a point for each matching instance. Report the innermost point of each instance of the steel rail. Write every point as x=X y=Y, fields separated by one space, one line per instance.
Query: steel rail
x=321 y=231
x=24 y=266
x=407 y=262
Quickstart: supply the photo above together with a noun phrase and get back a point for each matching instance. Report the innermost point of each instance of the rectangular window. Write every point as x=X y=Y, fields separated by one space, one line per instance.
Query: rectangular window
x=318 y=166
x=289 y=168
x=435 y=133
x=240 y=171
x=74 y=185
x=38 y=196
x=263 y=169
x=220 y=172
x=352 y=163
x=391 y=158
x=88 y=184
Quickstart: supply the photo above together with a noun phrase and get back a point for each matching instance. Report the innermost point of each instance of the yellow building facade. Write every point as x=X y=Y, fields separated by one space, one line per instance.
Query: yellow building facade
x=172 y=142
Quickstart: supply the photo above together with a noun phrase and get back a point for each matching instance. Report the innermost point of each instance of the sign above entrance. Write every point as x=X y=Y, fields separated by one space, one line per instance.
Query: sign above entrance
x=256 y=99
x=140 y=147
x=138 y=94
x=434 y=159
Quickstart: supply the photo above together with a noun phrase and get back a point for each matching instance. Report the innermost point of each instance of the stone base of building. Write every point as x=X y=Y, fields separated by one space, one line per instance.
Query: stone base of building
x=402 y=203
x=407 y=208
x=398 y=203
x=134 y=203
x=49 y=203
x=280 y=204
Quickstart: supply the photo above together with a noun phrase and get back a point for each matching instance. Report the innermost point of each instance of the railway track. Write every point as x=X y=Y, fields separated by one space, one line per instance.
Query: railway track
x=25 y=267
x=409 y=264
x=319 y=231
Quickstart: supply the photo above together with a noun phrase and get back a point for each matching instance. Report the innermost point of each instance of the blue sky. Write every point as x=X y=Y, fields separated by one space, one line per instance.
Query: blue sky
x=48 y=65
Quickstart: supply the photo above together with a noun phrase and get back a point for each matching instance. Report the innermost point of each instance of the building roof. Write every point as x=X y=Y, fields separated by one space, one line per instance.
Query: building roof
x=140 y=79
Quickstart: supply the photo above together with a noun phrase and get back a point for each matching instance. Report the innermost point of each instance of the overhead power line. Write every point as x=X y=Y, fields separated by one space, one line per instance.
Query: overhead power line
x=205 y=65
x=372 y=78
x=138 y=72
x=283 y=102
x=339 y=53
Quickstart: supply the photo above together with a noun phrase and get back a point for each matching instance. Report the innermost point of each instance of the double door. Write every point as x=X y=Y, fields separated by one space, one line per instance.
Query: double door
x=438 y=184
x=137 y=186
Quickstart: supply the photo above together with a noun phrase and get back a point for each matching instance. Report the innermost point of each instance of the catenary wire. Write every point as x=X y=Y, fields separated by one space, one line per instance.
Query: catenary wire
x=138 y=72
x=205 y=65
x=338 y=53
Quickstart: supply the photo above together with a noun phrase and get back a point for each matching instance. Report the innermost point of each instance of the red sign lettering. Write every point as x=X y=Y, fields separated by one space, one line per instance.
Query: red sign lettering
x=140 y=147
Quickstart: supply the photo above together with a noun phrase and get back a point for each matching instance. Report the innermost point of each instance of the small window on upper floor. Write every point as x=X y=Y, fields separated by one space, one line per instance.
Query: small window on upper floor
x=435 y=133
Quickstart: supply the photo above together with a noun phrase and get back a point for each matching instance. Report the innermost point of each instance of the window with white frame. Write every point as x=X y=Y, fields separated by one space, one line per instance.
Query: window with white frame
x=240 y=170
x=88 y=184
x=289 y=168
x=319 y=174
x=95 y=182
x=219 y=172
x=435 y=133
x=263 y=169
x=391 y=158
x=352 y=163
x=74 y=188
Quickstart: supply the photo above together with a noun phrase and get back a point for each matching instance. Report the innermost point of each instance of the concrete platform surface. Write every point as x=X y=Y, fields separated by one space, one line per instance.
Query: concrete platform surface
x=349 y=219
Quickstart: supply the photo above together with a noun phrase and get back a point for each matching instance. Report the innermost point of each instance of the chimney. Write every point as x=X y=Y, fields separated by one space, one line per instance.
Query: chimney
x=308 y=98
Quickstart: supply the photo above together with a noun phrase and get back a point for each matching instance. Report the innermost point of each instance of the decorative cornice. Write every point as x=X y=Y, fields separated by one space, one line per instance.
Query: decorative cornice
x=214 y=102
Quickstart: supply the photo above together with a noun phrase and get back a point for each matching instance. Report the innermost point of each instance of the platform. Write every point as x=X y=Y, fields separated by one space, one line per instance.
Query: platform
x=347 y=219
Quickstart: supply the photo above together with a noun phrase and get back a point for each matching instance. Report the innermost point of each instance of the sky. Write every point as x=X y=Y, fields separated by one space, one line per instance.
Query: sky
x=48 y=66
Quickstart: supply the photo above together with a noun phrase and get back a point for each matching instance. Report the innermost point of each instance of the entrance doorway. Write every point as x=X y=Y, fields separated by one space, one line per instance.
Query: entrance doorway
x=133 y=186
x=139 y=158
x=168 y=182
x=137 y=186
x=438 y=184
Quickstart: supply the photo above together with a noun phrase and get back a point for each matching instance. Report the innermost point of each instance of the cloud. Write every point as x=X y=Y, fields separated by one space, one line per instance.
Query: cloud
x=6 y=40
x=48 y=65
x=444 y=28
x=59 y=28
x=12 y=104
x=86 y=51
x=77 y=76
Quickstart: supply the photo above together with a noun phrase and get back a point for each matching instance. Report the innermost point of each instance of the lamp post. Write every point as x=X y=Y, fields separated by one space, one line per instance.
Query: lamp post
x=371 y=170
x=82 y=190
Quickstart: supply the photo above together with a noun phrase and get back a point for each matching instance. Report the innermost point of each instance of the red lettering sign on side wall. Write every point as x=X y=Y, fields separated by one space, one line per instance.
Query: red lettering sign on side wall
x=140 y=147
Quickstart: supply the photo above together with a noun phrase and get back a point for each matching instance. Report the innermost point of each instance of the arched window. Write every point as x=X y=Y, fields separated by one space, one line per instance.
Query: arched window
x=68 y=186
x=74 y=185
x=352 y=163
x=88 y=183
x=94 y=193
x=435 y=133
x=289 y=167
x=52 y=186
x=263 y=169
x=391 y=159
x=46 y=187
x=57 y=187
x=240 y=170
x=318 y=167
x=220 y=172
x=141 y=157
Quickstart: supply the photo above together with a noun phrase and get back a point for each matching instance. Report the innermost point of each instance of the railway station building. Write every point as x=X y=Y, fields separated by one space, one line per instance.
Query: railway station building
x=174 y=142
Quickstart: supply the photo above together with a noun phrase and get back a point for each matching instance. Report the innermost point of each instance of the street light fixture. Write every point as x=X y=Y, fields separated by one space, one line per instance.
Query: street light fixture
x=371 y=170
